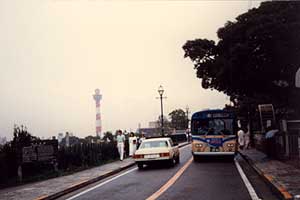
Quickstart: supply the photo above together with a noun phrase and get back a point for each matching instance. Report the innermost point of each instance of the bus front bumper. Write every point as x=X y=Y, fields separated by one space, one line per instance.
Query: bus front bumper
x=214 y=153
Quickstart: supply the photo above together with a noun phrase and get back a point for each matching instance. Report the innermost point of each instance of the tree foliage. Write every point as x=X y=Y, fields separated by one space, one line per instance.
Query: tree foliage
x=179 y=119
x=256 y=56
x=108 y=136
x=167 y=123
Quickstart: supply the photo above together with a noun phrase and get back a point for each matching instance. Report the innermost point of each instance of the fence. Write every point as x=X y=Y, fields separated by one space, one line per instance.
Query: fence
x=76 y=157
x=291 y=129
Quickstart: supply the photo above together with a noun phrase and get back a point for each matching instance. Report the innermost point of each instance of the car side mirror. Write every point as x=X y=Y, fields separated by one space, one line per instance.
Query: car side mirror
x=175 y=143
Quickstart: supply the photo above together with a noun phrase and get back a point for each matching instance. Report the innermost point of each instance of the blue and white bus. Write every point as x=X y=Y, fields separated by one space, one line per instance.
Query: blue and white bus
x=214 y=132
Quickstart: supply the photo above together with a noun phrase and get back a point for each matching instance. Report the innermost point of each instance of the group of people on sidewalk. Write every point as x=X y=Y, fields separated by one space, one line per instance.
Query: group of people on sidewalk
x=134 y=142
x=243 y=138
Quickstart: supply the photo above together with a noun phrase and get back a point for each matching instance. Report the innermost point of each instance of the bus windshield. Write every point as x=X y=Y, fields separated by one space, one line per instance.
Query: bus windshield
x=217 y=126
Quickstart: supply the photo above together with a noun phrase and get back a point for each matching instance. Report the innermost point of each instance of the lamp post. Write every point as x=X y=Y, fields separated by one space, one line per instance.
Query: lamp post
x=161 y=92
x=187 y=109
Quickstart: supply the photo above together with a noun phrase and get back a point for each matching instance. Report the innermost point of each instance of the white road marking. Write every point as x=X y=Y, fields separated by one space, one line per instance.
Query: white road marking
x=103 y=183
x=249 y=187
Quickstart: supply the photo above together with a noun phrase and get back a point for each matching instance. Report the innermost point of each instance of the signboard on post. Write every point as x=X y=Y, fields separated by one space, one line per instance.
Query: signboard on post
x=267 y=116
x=44 y=151
x=29 y=154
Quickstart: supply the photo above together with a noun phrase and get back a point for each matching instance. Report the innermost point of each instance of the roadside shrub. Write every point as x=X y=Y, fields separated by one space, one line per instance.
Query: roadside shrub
x=70 y=159
x=86 y=155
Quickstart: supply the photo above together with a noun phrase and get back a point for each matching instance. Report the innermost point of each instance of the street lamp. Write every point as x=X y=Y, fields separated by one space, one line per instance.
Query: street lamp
x=187 y=109
x=161 y=92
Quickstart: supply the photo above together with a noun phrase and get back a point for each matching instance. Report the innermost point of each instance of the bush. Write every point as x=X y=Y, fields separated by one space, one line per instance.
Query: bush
x=86 y=155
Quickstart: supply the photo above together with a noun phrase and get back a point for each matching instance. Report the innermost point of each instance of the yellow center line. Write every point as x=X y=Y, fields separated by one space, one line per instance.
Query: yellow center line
x=171 y=181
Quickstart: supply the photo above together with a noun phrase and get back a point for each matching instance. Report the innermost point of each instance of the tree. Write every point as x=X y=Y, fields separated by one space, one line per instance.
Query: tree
x=256 y=57
x=179 y=119
x=108 y=136
x=167 y=123
x=22 y=137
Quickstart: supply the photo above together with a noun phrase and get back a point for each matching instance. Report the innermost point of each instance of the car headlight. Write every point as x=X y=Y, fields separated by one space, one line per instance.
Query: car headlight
x=198 y=145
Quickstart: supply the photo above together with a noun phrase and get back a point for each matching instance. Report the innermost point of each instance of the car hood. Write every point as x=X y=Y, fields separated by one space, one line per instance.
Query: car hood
x=152 y=150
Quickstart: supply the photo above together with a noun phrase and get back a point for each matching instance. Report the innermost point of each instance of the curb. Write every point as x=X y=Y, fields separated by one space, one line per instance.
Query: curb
x=83 y=184
x=269 y=179
x=88 y=182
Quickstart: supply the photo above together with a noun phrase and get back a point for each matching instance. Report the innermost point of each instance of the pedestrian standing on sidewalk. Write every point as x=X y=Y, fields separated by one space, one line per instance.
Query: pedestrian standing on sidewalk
x=132 y=144
x=120 y=144
x=241 y=139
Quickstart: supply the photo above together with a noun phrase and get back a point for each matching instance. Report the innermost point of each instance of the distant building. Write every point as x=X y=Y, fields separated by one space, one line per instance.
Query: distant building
x=71 y=140
x=154 y=124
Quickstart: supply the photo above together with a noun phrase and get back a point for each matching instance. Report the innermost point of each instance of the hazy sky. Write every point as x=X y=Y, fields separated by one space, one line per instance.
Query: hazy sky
x=54 y=54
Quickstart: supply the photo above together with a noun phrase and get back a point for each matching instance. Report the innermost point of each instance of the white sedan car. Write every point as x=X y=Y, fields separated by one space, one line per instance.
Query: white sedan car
x=157 y=150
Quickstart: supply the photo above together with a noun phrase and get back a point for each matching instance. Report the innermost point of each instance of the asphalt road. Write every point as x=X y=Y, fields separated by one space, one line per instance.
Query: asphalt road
x=211 y=179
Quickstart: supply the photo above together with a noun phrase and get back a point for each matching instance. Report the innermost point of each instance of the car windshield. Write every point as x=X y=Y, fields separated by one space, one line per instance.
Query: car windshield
x=212 y=127
x=153 y=144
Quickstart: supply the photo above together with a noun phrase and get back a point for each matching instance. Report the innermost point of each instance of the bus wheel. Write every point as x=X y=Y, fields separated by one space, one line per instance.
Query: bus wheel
x=231 y=158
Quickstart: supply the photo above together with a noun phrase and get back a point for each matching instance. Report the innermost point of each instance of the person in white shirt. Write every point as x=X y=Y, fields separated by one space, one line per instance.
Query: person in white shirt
x=132 y=144
x=120 y=144
x=142 y=137
x=241 y=139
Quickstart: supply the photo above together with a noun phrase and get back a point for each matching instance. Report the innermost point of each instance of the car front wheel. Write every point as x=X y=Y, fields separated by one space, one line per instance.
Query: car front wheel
x=140 y=165
x=178 y=159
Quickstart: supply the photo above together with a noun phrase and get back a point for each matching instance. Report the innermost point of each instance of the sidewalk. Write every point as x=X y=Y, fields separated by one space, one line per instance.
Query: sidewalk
x=55 y=187
x=283 y=178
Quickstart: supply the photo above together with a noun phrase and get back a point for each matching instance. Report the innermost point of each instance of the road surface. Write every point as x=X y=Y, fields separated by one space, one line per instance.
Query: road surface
x=211 y=179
